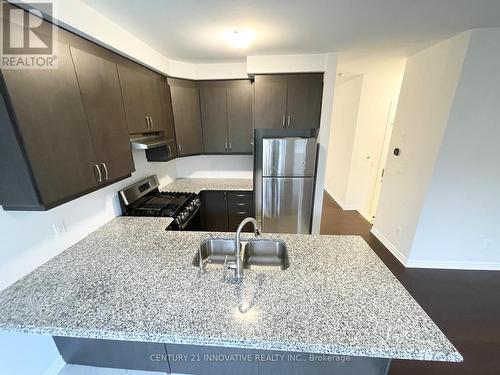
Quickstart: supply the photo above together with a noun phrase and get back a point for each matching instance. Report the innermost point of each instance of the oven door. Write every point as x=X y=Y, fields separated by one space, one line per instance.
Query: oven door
x=192 y=224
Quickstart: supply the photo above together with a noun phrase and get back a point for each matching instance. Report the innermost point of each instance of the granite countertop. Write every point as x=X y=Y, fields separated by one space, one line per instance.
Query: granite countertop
x=132 y=280
x=195 y=185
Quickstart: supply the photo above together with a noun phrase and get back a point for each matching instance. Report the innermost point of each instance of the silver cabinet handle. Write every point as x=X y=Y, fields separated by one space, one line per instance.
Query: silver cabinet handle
x=241 y=212
x=241 y=204
x=230 y=147
x=283 y=121
x=289 y=121
x=99 y=174
x=180 y=148
x=147 y=122
x=106 y=174
x=225 y=146
x=151 y=123
x=240 y=195
x=169 y=151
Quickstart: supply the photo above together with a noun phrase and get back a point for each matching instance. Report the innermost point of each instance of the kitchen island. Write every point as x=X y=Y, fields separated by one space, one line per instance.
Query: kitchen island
x=132 y=281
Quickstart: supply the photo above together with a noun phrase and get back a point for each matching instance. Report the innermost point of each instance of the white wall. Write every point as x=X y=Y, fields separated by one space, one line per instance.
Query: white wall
x=215 y=166
x=459 y=226
x=324 y=137
x=427 y=93
x=345 y=117
x=287 y=63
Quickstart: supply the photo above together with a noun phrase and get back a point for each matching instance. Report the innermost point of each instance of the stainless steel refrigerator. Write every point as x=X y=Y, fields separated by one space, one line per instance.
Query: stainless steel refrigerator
x=288 y=176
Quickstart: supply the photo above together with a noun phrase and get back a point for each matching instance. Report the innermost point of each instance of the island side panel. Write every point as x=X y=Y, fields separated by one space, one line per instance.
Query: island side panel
x=131 y=355
x=214 y=360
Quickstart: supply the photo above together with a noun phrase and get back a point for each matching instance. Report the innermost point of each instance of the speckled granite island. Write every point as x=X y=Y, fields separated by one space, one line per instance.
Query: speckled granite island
x=133 y=283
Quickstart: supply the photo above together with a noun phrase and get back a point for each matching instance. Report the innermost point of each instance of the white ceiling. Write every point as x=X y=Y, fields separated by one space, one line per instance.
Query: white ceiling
x=192 y=30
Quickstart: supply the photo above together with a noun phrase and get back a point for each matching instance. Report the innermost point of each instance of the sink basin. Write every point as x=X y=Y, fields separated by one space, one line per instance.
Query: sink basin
x=256 y=254
x=215 y=251
x=266 y=254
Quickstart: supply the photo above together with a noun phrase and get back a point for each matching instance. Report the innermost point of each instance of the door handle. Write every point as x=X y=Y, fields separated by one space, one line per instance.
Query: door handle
x=230 y=147
x=151 y=123
x=180 y=148
x=147 y=122
x=283 y=121
x=98 y=177
x=289 y=121
x=225 y=146
x=106 y=174
x=169 y=151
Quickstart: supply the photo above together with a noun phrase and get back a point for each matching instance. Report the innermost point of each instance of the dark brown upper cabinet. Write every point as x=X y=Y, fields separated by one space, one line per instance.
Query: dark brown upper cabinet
x=213 y=101
x=48 y=123
x=187 y=118
x=240 y=117
x=288 y=101
x=226 y=109
x=63 y=131
x=141 y=89
x=102 y=99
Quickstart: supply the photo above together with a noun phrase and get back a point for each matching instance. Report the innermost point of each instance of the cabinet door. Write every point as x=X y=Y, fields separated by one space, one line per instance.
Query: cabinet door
x=52 y=123
x=214 y=118
x=187 y=119
x=136 y=88
x=270 y=102
x=157 y=114
x=214 y=211
x=166 y=106
x=239 y=117
x=304 y=94
x=100 y=89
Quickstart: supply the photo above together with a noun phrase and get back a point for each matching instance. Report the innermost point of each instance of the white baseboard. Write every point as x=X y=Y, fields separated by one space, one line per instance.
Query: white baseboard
x=434 y=264
x=368 y=217
x=398 y=254
x=345 y=207
x=55 y=367
x=479 y=266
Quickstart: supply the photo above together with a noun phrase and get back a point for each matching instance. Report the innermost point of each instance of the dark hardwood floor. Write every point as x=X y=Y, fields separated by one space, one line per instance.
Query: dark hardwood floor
x=464 y=304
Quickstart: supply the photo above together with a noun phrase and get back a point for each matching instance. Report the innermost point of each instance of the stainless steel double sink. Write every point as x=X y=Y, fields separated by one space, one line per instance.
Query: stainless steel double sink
x=256 y=253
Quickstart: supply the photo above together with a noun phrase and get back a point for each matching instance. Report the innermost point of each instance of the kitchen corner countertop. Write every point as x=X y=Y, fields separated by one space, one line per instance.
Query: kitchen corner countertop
x=195 y=185
x=132 y=280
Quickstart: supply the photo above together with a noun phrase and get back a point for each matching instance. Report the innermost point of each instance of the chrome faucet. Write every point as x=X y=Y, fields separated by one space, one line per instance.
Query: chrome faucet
x=238 y=265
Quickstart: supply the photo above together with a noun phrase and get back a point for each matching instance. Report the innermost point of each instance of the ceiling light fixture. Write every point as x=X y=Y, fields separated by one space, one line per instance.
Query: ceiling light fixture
x=240 y=38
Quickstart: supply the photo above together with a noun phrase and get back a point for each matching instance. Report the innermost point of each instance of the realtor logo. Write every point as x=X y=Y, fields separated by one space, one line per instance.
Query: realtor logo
x=28 y=42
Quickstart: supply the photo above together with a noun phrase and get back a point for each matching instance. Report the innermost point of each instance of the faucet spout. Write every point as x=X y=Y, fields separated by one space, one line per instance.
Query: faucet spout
x=238 y=270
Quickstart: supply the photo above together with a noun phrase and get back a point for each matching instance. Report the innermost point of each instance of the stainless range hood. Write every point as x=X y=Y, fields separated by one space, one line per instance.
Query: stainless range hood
x=147 y=142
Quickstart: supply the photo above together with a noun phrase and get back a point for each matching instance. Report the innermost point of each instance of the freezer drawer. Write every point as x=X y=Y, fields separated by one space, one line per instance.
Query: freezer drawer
x=287 y=204
x=290 y=156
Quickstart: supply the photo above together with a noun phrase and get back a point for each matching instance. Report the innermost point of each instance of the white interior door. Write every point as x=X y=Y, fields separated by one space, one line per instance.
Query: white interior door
x=383 y=158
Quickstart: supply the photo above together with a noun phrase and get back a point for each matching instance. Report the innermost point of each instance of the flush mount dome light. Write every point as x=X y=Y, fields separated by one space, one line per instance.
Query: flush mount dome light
x=240 y=38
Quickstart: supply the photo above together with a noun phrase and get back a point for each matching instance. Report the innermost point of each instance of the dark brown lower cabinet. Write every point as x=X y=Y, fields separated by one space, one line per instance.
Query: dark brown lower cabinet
x=223 y=211
x=214 y=211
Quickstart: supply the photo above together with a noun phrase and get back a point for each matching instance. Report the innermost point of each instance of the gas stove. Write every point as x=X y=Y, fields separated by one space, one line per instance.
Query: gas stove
x=144 y=199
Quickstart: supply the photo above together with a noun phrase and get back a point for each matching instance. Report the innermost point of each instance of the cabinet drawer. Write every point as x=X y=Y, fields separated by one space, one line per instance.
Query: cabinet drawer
x=240 y=200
